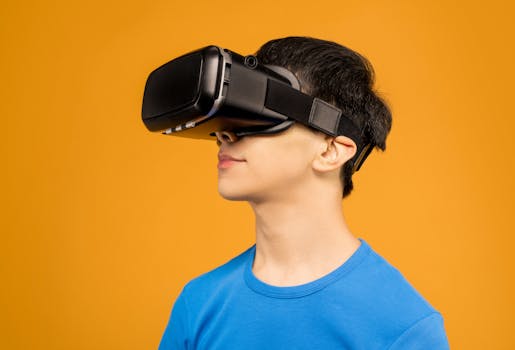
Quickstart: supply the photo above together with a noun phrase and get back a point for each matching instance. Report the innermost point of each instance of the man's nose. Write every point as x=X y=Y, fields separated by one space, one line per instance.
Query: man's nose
x=225 y=137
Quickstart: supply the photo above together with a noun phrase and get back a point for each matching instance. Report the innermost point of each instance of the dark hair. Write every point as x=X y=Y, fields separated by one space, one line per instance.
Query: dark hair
x=340 y=76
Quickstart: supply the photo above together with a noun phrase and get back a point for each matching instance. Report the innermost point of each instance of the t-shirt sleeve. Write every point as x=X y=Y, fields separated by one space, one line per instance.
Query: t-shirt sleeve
x=426 y=334
x=175 y=336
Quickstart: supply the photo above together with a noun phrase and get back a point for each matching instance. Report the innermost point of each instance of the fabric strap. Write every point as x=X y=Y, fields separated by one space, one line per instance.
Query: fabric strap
x=309 y=110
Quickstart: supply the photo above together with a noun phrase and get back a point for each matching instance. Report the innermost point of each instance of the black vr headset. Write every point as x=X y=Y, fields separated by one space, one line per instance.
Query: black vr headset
x=214 y=89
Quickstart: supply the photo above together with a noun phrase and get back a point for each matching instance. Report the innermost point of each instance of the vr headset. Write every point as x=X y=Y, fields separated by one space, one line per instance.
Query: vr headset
x=213 y=89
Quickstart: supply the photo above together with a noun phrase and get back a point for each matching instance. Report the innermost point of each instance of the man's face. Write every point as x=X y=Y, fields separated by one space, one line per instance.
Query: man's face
x=273 y=167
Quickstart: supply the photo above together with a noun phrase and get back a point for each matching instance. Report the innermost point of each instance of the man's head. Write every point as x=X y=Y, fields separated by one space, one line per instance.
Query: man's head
x=294 y=162
x=339 y=76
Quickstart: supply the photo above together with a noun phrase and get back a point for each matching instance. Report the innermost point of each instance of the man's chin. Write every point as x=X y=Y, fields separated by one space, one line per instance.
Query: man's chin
x=232 y=195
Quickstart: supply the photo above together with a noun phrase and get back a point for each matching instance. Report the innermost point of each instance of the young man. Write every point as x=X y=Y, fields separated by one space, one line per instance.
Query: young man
x=308 y=282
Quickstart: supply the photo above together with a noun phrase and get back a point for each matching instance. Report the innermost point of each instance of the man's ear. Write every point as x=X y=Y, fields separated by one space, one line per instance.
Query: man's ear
x=334 y=152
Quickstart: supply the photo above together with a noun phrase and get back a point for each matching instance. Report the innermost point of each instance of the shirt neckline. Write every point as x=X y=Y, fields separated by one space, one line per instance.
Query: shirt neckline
x=302 y=290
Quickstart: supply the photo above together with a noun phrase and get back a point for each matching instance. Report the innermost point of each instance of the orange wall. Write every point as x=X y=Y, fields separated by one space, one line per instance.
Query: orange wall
x=102 y=222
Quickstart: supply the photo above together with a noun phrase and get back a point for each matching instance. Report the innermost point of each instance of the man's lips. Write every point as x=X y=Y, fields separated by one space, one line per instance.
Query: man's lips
x=225 y=160
x=225 y=156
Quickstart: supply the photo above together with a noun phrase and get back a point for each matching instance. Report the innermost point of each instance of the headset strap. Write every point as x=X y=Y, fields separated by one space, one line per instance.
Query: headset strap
x=309 y=110
x=316 y=113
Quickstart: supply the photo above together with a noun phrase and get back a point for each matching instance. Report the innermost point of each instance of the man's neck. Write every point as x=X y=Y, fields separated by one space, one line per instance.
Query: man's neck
x=300 y=241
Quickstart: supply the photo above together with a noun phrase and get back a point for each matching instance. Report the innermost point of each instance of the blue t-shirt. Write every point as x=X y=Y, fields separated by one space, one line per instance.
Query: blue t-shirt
x=364 y=304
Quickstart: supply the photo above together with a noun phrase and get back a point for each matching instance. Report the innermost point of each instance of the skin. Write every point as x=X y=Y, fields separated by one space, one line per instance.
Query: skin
x=291 y=182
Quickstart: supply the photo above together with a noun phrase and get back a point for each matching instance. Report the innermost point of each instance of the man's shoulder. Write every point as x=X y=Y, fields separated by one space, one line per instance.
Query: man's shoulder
x=220 y=277
x=386 y=291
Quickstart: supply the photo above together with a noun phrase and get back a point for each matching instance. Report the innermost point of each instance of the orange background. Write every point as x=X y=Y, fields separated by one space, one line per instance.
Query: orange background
x=103 y=222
